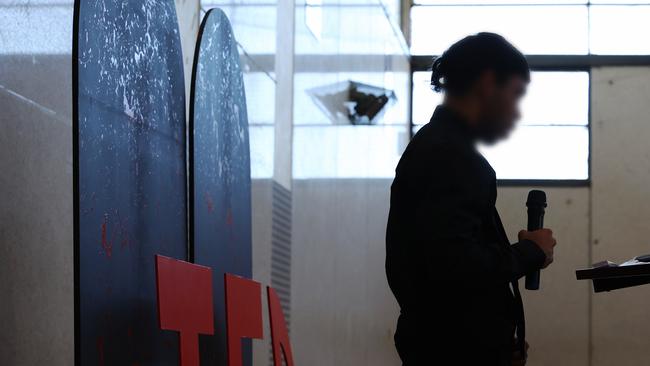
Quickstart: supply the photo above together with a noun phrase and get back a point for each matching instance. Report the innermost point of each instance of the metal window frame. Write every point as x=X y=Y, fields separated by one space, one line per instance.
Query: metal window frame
x=538 y=63
x=548 y=63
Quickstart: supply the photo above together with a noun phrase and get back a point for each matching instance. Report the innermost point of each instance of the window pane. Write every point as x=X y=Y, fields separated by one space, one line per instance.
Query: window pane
x=424 y=98
x=553 y=98
x=621 y=2
x=499 y=2
x=36 y=27
x=259 y=89
x=620 y=30
x=253 y=24
x=533 y=29
x=542 y=152
x=347 y=151
x=352 y=29
x=557 y=98
x=261 y=150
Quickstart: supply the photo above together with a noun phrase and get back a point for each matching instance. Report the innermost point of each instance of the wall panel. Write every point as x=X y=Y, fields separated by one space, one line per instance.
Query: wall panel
x=557 y=316
x=344 y=312
x=36 y=273
x=130 y=175
x=621 y=192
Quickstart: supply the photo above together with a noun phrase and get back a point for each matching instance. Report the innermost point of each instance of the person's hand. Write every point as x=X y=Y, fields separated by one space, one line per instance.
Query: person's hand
x=544 y=240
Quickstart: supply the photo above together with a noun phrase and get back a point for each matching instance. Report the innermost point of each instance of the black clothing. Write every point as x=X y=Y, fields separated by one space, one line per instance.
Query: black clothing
x=448 y=260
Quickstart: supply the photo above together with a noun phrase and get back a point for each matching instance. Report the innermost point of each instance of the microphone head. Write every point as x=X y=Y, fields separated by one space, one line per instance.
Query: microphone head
x=536 y=198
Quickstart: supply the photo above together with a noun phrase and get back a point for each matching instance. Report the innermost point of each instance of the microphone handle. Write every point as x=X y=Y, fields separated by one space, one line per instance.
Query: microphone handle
x=535 y=222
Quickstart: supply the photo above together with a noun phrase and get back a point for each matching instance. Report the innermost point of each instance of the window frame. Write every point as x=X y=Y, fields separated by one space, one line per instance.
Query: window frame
x=557 y=62
x=584 y=63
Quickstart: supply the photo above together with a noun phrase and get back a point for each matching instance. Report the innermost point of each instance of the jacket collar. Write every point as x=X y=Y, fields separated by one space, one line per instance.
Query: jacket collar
x=453 y=124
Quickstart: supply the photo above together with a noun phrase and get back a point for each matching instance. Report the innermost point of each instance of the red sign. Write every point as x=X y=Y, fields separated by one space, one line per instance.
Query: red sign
x=279 y=333
x=243 y=314
x=185 y=305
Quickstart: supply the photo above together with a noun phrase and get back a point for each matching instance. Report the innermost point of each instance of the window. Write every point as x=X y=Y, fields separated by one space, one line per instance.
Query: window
x=26 y=24
x=552 y=139
x=537 y=27
x=434 y=28
x=562 y=39
x=619 y=29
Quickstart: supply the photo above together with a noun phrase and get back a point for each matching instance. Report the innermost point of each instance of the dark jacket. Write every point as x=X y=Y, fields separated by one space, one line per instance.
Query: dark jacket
x=448 y=260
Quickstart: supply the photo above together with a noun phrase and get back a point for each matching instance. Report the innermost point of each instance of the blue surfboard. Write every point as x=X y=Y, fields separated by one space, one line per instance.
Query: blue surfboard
x=129 y=176
x=220 y=182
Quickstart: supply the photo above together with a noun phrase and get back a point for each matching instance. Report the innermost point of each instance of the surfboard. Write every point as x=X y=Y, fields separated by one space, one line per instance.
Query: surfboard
x=129 y=176
x=220 y=181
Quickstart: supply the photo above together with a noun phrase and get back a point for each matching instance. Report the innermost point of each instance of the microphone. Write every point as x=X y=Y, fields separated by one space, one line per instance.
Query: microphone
x=536 y=204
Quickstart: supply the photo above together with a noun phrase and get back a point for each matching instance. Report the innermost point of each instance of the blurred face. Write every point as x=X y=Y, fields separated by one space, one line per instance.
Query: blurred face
x=499 y=106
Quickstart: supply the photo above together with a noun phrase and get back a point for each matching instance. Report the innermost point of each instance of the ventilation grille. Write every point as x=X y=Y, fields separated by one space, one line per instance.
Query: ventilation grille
x=281 y=248
x=281 y=252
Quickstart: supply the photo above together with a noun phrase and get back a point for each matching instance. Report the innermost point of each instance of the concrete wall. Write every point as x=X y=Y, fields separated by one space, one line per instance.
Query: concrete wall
x=344 y=313
x=558 y=314
x=36 y=272
x=262 y=201
x=621 y=213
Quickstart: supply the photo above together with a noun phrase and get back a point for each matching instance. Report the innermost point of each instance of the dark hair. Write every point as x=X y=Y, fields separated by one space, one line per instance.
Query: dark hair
x=462 y=64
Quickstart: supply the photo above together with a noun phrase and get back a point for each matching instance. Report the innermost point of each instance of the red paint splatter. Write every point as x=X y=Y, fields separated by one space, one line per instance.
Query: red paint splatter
x=229 y=219
x=100 y=350
x=209 y=202
x=119 y=231
x=106 y=244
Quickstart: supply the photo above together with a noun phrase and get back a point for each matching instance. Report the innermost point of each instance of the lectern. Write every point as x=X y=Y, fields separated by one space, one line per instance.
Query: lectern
x=608 y=276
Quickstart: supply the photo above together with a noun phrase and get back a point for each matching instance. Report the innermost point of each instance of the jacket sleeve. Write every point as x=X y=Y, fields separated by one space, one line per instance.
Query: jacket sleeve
x=455 y=205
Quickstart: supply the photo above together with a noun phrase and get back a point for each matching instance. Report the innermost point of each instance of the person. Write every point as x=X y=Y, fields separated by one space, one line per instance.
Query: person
x=448 y=260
